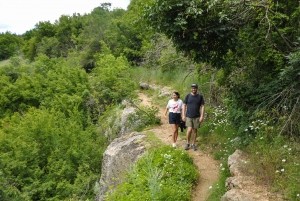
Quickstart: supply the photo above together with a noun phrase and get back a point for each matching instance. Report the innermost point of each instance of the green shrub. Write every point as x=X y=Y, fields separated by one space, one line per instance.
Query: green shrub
x=161 y=174
x=48 y=156
x=144 y=116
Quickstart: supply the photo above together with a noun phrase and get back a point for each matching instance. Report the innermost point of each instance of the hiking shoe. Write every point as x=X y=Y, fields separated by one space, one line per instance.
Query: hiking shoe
x=187 y=146
x=194 y=147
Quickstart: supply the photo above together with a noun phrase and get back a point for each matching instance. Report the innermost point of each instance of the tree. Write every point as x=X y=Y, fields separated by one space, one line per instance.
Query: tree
x=9 y=44
x=110 y=77
x=195 y=27
x=249 y=42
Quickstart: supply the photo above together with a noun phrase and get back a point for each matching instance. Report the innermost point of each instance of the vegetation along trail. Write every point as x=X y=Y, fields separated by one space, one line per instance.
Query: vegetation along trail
x=208 y=167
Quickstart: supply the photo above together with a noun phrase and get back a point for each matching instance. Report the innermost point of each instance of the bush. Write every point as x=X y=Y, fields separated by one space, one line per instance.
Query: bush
x=161 y=174
x=47 y=156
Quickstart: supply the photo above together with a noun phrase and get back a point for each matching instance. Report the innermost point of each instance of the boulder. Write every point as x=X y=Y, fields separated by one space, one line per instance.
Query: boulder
x=144 y=86
x=165 y=93
x=241 y=186
x=117 y=159
x=126 y=125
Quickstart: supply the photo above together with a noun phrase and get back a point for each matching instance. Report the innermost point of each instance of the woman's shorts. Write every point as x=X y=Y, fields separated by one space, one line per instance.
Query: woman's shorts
x=192 y=122
x=174 y=118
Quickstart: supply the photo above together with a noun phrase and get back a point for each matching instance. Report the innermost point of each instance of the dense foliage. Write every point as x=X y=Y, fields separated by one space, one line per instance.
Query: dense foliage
x=254 y=44
x=83 y=33
x=9 y=45
x=46 y=155
x=50 y=147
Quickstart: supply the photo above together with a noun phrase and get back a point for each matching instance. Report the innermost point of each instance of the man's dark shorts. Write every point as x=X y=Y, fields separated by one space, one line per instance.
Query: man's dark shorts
x=174 y=118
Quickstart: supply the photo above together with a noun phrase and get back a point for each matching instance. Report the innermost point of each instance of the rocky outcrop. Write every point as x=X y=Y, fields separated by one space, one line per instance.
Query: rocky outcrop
x=144 y=86
x=164 y=92
x=117 y=158
x=242 y=187
x=161 y=90
x=126 y=125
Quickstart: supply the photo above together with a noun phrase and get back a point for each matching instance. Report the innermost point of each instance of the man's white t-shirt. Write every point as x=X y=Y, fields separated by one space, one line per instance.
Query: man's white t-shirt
x=175 y=106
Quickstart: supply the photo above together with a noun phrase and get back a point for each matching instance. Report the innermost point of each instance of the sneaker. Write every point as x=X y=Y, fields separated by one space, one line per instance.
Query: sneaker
x=187 y=146
x=174 y=145
x=194 y=147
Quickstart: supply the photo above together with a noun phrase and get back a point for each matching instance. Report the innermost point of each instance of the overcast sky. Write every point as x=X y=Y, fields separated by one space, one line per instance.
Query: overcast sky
x=19 y=16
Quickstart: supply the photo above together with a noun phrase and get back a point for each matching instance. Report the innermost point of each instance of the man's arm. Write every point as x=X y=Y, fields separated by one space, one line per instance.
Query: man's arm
x=183 y=112
x=202 y=113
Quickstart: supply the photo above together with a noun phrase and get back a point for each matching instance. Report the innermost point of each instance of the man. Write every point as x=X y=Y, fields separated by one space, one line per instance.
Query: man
x=193 y=105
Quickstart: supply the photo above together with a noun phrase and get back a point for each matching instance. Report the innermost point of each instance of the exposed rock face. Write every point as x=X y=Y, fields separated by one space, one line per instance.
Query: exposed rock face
x=117 y=158
x=126 y=127
x=242 y=187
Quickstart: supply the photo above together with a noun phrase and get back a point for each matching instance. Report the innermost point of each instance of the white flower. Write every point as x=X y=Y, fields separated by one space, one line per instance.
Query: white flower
x=210 y=187
x=285 y=146
x=221 y=165
x=223 y=169
x=246 y=129
x=282 y=170
x=261 y=138
x=283 y=160
x=277 y=171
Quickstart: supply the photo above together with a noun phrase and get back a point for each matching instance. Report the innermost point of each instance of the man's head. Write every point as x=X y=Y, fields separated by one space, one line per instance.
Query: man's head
x=194 y=88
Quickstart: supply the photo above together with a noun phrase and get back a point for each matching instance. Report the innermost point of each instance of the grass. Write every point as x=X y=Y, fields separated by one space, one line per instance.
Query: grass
x=276 y=164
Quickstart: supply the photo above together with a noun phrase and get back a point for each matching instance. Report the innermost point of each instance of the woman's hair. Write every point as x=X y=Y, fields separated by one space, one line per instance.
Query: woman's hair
x=177 y=93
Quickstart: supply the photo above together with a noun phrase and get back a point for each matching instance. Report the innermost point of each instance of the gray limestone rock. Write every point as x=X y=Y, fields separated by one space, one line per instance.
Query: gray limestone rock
x=119 y=155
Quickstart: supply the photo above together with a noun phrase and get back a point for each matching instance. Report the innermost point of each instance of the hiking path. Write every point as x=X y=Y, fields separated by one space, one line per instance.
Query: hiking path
x=208 y=167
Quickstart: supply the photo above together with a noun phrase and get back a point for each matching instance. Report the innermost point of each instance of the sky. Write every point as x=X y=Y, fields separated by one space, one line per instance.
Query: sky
x=19 y=16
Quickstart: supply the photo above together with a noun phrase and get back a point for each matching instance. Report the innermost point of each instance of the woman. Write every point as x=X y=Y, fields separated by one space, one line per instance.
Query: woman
x=174 y=107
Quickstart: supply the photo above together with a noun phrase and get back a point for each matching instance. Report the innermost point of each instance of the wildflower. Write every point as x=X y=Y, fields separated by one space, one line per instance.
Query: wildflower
x=277 y=171
x=221 y=165
x=283 y=160
x=246 y=129
x=285 y=146
x=298 y=195
x=261 y=138
x=282 y=170
x=210 y=187
x=223 y=169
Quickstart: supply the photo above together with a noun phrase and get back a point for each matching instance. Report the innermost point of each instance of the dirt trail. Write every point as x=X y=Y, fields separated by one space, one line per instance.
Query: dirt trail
x=209 y=169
